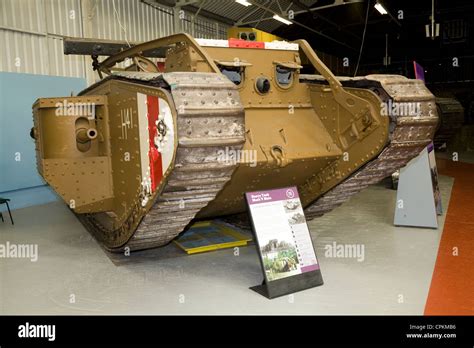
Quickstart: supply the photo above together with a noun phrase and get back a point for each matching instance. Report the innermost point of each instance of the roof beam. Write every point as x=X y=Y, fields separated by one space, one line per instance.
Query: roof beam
x=312 y=9
x=240 y=21
x=209 y=15
x=266 y=3
x=303 y=25
x=181 y=3
x=192 y=9
x=315 y=15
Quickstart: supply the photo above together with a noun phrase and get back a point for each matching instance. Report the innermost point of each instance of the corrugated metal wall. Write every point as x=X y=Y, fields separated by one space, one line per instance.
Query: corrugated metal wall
x=130 y=20
x=31 y=31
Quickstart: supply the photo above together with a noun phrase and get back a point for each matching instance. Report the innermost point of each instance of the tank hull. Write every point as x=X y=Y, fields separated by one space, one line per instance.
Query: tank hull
x=158 y=150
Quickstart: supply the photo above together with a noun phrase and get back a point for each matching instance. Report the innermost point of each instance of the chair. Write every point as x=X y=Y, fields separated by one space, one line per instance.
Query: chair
x=5 y=201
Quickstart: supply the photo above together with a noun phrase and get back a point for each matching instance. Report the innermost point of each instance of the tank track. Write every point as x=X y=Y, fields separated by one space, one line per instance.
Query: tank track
x=408 y=136
x=210 y=118
x=451 y=119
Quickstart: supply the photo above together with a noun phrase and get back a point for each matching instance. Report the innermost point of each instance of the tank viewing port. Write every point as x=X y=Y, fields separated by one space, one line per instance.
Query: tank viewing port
x=284 y=76
x=235 y=74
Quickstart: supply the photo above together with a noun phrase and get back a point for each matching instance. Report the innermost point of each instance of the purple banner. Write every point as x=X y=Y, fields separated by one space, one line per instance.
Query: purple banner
x=419 y=71
x=271 y=195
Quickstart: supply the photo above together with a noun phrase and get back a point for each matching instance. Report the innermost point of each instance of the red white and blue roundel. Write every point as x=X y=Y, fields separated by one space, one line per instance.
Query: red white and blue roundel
x=157 y=142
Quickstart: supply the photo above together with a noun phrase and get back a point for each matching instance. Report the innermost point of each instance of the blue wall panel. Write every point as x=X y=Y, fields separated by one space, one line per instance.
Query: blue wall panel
x=18 y=92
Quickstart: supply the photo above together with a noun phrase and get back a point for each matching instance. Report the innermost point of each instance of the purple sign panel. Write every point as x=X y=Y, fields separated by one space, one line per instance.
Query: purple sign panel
x=283 y=237
x=419 y=71
x=271 y=195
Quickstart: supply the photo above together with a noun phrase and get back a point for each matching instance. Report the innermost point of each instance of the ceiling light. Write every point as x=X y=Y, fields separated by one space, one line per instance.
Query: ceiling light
x=243 y=2
x=380 y=8
x=281 y=19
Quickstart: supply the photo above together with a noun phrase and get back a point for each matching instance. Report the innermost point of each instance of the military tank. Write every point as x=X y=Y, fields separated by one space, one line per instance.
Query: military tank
x=140 y=154
x=451 y=119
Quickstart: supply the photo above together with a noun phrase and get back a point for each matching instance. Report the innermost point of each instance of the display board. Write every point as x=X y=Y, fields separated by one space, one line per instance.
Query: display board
x=284 y=244
x=418 y=196
x=434 y=179
x=419 y=71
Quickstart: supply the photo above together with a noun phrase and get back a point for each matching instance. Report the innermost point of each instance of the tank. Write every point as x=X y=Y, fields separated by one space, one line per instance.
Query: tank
x=451 y=119
x=142 y=153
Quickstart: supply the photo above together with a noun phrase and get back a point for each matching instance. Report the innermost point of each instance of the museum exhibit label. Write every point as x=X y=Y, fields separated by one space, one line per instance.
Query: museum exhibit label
x=287 y=255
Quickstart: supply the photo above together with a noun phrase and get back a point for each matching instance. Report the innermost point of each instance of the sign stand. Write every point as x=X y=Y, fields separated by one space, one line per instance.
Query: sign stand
x=290 y=285
x=283 y=242
x=418 y=197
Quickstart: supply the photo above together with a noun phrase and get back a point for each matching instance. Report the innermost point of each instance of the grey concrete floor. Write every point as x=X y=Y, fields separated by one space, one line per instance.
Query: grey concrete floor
x=394 y=277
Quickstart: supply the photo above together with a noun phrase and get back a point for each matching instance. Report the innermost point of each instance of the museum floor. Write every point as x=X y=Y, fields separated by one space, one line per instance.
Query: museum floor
x=393 y=278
